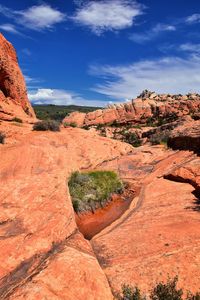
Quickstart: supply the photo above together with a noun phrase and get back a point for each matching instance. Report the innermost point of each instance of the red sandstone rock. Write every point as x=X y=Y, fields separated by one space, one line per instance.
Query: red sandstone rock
x=139 y=110
x=13 y=95
x=159 y=236
x=42 y=254
x=186 y=136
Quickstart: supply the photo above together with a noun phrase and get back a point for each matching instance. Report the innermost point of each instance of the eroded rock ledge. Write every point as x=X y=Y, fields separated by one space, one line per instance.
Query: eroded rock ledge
x=139 y=110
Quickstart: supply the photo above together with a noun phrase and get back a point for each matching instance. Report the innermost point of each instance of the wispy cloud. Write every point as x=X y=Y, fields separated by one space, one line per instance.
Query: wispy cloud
x=108 y=15
x=10 y=28
x=190 y=47
x=169 y=74
x=40 y=17
x=195 y=18
x=26 y=51
x=151 y=34
x=61 y=97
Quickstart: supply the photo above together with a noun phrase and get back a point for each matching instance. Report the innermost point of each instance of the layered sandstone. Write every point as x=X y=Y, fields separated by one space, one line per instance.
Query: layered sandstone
x=13 y=95
x=138 y=111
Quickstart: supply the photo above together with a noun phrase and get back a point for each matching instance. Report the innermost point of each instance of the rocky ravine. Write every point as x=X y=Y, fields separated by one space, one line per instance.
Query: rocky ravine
x=44 y=256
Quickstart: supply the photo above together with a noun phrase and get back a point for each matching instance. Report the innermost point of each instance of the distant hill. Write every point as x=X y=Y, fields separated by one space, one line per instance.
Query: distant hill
x=59 y=112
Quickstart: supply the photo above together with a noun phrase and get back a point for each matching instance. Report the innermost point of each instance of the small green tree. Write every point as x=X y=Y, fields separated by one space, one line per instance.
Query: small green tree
x=167 y=291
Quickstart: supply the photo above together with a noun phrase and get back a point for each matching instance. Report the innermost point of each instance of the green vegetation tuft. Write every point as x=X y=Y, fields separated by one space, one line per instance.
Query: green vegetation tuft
x=162 y=291
x=72 y=124
x=93 y=189
x=132 y=139
x=46 y=125
x=130 y=293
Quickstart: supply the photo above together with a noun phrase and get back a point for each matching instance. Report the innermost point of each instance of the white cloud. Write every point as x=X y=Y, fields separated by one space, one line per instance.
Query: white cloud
x=108 y=15
x=164 y=75
x=38 y=17
x=52 y=96
x=151 y=34
x=189 y=47
x=9 y=28
x=195 y=18
x=60 y=97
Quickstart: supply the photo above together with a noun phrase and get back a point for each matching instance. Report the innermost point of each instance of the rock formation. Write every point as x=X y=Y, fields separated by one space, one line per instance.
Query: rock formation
x=43 y=255
x=138 y=111
x=13 y=95
x=186 y=137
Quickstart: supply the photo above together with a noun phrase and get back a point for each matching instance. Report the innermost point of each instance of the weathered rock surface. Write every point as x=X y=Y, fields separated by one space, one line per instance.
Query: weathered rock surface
x=159 y=235
x=13 y=95
x=186 y=137
x=138 y=111
x=42 y=254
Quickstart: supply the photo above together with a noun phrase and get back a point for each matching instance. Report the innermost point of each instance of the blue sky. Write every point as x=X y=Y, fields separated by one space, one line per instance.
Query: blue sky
x=98 y=52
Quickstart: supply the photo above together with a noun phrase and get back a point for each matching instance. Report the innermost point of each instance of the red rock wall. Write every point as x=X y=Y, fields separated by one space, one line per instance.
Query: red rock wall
x=13 y=94
x=138 y=110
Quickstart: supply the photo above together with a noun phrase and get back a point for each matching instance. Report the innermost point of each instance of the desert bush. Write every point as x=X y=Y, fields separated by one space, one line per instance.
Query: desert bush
x=71 y=124
x=162 y=291
x=167 y=291
x=131 y=138
x=46 y=125
x=100 y=126
x=2 y=138
x=93 y=189
x=130 y=293
x=17 y=120
x=86 y=127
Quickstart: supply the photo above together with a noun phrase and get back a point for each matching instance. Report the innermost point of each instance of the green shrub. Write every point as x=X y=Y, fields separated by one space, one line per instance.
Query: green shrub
x=100 y=126
x=46 y=125
x=162 y=291
x=17 y=120
x=93 y=189
x=130 y=293
x=86 y=127
x=132 y=138
x=167 y=291
x=2 y=138
x=72 y=124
